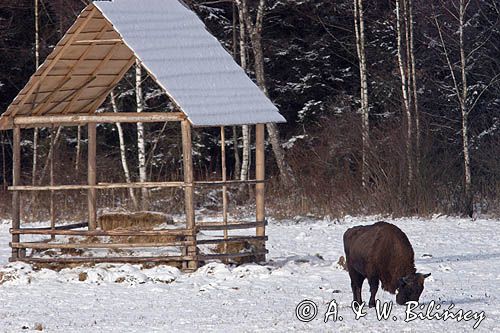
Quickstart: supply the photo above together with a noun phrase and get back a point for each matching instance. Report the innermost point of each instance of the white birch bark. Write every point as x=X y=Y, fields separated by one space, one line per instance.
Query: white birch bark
x=462 y=96
x=78 y=147
x=465 y=113
x=123 y=154
x=236 y=150
x=245 y=163
x=416 y=110
x=141 y=145
x=404 y=89
x=365 y=126
x=37 y=64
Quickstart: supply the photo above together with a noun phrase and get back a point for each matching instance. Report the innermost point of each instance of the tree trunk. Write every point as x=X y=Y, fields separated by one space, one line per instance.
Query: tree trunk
x=462 y=96
x=78 y=147
x=245 y=163
x=365 y=125
x=37 y=34
x=255 y=33
x=35 y=156
x=469 y=209
x=141 y=145
x=123 y=154
x=416 y=111
x=35 y=131
x=4 y=167
x=49 y=155
x=406 y=102
x=243 y=53
x=246 y=153
x=236 y=150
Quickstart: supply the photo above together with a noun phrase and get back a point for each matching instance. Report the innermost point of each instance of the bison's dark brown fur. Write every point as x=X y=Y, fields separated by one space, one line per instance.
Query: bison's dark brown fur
x=382 y=252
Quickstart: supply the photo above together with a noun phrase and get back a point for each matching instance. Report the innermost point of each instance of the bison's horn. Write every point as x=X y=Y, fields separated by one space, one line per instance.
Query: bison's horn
x=426 y=275
x=403 y=281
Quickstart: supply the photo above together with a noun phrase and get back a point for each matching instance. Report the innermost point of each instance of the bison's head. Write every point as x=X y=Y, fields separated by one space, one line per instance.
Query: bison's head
x=410 y=287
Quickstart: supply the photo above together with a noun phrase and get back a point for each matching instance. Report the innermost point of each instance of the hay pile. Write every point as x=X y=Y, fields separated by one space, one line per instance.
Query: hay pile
x=138 y=221
x=239 y=247
x=133 y=221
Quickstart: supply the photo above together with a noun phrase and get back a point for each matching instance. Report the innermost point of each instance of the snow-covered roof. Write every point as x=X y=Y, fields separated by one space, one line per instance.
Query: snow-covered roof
x=190 y=63
x=172 y=43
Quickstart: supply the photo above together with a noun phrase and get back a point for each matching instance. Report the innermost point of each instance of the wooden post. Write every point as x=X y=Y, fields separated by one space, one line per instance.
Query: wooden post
x=260 y=174
x=91 y=176
x=52 y=204
x=187 y=154
x=224 y=178
x=224 y=187
x=16 y=179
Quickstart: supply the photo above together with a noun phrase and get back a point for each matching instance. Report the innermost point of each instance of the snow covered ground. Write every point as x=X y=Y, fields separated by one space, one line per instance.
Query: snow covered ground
x=463 y=257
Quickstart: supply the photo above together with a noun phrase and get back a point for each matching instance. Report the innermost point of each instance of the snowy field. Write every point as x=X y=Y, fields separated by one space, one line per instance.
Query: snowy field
x=463 y=257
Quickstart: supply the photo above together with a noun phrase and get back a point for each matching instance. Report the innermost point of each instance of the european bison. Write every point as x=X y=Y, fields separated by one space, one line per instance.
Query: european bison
x=382 y=252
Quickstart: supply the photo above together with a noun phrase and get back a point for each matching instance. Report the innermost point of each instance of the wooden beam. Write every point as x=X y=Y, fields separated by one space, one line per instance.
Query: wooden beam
x=16 y=179
x=256 y=254
x=100 y=118
x=229 y=182
x=47 y=246
x=76 y=75
x=104 y=186
x=260 y=187
x=224 y=177
x=71 y=89
x=67 y=226
x=187 y=155
x=53 y=62
x=6 y=123
x=231 y=240
x=99 y=41
x=92 y=177
x=99 y=186
x=99 y=233
x=52 y=202
x=229 y=225
x=96 y=260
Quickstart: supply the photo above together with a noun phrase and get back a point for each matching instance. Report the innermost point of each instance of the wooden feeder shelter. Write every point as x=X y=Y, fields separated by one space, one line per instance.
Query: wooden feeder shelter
x=207 y=87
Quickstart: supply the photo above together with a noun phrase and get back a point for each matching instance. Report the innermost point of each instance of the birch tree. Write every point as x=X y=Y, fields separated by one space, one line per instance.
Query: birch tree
x=78 y=147
x=53 y=144
x=236 y=151
x=254 y=30
x=404 y=62
x=141 y=145
x=360 y=48
x=245 y=163
x=37 y=64
x=413 y=73
x=467 y=97
x=123 y=153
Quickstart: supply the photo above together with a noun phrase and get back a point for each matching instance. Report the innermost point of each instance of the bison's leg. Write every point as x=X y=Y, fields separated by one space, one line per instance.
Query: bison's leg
x=356 y=284
x=373 y=282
